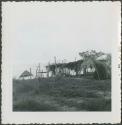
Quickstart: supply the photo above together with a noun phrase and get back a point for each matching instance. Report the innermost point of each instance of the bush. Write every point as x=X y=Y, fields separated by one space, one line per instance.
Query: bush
x=101 y=72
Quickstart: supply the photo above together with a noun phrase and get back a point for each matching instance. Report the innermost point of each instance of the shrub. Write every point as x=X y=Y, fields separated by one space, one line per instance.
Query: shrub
x=101 y=71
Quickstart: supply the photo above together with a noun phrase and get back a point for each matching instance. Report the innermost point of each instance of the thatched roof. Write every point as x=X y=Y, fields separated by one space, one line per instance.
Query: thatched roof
x=103 y=57
x=25 y=74
x=70 y=65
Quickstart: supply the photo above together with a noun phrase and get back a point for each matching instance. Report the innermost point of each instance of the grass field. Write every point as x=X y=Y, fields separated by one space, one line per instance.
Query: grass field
x=64 y=94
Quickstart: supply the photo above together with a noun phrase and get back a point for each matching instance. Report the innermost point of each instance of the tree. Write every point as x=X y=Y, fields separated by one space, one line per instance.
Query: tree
x=89 y=60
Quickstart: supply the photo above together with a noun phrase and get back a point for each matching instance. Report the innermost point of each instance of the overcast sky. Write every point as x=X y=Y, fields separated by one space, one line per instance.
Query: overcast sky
x=41 y=30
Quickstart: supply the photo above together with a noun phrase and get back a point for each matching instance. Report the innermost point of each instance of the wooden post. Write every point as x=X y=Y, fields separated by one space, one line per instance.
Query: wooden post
x=30 y=73
x=39 y=67
x=48 y=69
x=37 y=71
x=76 y=67
x=62 y=68
x=55 y=65
x=42 y=73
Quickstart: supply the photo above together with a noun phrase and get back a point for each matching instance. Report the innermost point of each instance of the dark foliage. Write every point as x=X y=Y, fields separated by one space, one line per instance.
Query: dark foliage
x=101 y=71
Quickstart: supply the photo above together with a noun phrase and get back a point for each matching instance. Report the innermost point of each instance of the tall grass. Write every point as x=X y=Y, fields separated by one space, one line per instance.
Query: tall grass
x=32 y=105
x=49 y=95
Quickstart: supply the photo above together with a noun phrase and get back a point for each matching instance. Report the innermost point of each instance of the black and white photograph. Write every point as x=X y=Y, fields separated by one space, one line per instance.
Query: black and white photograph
x=61 y=57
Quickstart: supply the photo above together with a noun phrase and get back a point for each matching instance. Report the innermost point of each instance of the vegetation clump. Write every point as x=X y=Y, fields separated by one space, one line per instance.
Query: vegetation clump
x=101 y=71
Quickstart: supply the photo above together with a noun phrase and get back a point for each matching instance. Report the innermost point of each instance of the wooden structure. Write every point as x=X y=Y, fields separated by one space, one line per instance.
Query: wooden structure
x=85 y=66
x=65 y=69
x=40 y=73
x=26 y=74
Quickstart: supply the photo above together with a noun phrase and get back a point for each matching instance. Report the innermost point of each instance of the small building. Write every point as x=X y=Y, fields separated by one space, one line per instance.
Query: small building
x=41 y=74
x=65 y=69
x=26 y=74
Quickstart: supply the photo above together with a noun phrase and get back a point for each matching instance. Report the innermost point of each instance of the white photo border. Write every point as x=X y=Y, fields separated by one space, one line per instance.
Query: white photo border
x=10 y=117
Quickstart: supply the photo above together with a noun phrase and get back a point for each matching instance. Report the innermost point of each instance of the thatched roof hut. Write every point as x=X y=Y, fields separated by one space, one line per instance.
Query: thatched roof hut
x=25 y=74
